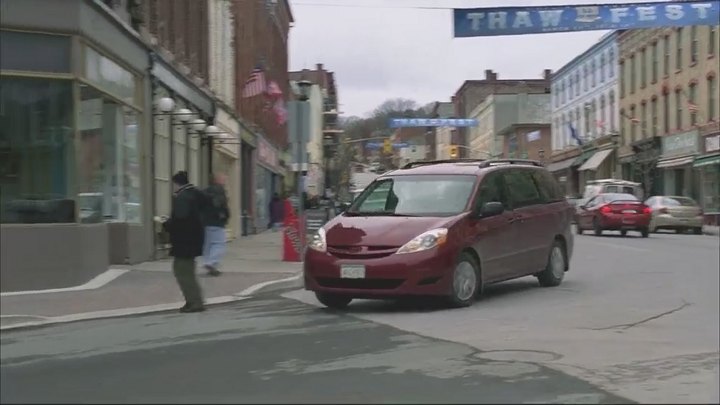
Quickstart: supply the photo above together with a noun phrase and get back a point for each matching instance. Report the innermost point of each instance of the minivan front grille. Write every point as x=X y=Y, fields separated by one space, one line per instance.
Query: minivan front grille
x=360 y=284
x=361 y=252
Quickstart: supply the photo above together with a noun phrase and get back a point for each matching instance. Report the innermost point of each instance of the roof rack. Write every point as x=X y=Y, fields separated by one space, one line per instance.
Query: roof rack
x=437 y=162
x=488 y=163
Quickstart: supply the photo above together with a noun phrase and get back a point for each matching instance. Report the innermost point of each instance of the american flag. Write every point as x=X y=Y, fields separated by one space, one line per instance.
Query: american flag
x=255 y=84
x=273 y=89
x=281 y=113
x=692 y=107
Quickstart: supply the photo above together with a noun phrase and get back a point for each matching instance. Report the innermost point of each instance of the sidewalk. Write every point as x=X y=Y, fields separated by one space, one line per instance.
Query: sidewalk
x=250 y=264
x=711 y=230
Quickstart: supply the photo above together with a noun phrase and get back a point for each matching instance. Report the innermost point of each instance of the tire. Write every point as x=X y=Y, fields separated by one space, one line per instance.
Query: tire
x=623 y=233
x=556 y=266
x=578 y=230
x=333 y=301
x=466 y=282
x=645 y=232
x=596 y=227
x=697 y=231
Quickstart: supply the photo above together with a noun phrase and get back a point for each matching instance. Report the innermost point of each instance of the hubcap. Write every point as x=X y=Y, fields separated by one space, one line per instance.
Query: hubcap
x=465 y=281
x=557 y=262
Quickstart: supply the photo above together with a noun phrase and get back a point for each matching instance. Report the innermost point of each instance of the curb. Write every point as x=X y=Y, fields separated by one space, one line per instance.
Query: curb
x=151 y=309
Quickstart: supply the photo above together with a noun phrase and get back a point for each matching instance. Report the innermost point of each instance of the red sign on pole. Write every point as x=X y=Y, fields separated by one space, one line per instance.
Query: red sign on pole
x=292 y=235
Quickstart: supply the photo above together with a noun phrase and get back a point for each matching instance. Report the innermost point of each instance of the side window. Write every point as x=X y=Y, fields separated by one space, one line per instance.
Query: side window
x=377 y=198
x=491 y=190
x=549 y=188
x=612 y=189
x=521 y=188
x=592 y=202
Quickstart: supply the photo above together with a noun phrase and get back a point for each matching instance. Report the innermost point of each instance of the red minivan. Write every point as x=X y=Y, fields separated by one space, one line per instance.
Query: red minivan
x=443 y=228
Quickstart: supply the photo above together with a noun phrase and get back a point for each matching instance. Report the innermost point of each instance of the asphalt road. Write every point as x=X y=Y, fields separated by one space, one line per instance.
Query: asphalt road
x=635 y=320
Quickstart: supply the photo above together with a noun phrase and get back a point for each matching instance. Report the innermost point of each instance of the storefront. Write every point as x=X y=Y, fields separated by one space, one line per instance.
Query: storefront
x=248 y=146
x=707 y=167
x=267 y=182
x=73 y=128
x=565 y=173
x=181 y=113
x=226 y=161
x=641 y=165
x=676 y=162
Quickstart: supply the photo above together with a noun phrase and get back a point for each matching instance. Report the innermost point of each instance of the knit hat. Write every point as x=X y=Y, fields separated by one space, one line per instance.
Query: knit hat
x=180 y=178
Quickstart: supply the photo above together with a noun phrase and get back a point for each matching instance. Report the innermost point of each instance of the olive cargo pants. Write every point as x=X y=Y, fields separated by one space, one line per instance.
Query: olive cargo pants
x=184 y=270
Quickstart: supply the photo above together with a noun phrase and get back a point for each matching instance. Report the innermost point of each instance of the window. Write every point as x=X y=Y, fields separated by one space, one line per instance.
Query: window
x=593 y=75
x=587 y=119
x=109 y=176
x=678 y=110
x=601 y=120
x=678 y=48
x=712 y=96
x=37 y=153
x=654 y=116
x=654 y=68
x=633 y=69
x=666 y=55
x=623 y=78
x=424 y=195
x=611 y=63
x=693 y=44
x=556 y=94
x=645 y=120
x=577 y=83
x=521 y=188
x=666 y=113
x=34 y=52
x=563 y=95
x=586 y=78
x=625 y=132
x=643 y=68
x=602 y=68
x=712 y=41
x=550 y=190
x=612 y=111
x=492 y=189
x=633 y=124
x=692 y=104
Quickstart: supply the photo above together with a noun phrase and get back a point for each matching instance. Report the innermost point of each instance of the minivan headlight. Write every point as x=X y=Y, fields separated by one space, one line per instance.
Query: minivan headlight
x=318 y=241
x=425 y=241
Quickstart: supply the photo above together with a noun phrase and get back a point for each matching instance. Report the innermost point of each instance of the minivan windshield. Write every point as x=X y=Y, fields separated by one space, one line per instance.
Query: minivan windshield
x=418 y=195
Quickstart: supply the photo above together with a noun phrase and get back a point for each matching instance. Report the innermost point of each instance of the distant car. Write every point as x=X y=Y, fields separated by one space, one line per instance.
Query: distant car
x=614 y=212
x=443 y=229
x=612 y=186
x=576 y=202
x=675 y=213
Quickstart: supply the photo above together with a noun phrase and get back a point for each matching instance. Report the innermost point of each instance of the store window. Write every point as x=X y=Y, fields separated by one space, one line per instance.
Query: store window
x=37 y=156
x=109 y=166
x=31 y=52
x=109 y=76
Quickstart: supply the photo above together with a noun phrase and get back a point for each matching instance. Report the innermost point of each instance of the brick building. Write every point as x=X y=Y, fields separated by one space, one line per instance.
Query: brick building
x=474 y=92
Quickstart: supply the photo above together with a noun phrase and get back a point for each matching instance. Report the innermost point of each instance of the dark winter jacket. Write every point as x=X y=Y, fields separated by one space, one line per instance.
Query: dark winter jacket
x=216 y=212
x=185 y=226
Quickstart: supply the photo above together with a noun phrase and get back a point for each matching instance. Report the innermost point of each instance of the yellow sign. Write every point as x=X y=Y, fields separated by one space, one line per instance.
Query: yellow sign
x=387 y=146
x=454 y=151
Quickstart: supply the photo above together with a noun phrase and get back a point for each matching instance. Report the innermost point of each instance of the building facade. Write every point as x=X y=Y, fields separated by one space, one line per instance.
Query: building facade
x=585 y=109
x=439 y=138
x=668 y=97
x=75 y=144
x=473 y=92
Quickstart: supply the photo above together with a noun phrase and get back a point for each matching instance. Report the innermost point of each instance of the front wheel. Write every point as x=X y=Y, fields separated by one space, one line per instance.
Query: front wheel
x=697 y=231
x=333 y=301
x=466 y=282
x=555 y=269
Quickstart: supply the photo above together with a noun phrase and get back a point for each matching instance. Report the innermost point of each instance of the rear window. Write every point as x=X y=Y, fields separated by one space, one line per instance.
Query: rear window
x=679 y=202
x=619 y=197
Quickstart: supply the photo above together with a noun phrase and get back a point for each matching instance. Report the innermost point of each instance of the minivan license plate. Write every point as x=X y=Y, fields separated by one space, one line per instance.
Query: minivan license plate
x=352 y=271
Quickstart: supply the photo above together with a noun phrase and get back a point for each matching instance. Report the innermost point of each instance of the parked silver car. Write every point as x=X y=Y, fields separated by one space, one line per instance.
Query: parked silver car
x=675 y=213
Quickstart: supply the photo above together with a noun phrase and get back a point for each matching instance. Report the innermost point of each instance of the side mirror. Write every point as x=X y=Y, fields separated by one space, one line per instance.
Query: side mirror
x=343 y=207
x=491 y=209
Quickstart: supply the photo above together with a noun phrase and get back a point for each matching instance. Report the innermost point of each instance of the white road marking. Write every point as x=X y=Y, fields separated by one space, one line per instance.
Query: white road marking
x=93 y=284
x=253 y=289
x=24 y=316
x=613 y=245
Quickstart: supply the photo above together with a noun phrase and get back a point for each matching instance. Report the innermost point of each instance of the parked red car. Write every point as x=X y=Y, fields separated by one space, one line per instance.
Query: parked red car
x=614 y=212
x=443 y=228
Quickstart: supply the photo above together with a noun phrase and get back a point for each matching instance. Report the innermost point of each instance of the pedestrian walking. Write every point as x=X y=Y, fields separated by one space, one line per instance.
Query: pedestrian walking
x=217 y=215
x=277 y=212
x=185 y=227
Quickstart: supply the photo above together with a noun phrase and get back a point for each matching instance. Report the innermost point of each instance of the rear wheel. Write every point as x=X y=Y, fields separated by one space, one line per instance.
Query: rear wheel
x=333 y=301
x=578 y=229
x=697 y=231
x=466 y=282
x=623 y=232
x=555 y=269
x=645 y=232
x=596 y=227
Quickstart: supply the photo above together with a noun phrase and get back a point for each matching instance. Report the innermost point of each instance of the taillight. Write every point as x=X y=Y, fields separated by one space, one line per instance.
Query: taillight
x=647 y=210
x=605 y=209
x=663 y=210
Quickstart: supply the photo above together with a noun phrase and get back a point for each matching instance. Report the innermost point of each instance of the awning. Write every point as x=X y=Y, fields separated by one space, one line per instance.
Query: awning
x=596 y=160
x=561 y=165
x=584 y=157
x=674 y=162
x=707 y=161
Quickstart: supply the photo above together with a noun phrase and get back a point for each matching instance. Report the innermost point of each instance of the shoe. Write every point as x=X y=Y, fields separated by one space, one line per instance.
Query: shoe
x=186 y=306
x=190 y=309
x=212 y=271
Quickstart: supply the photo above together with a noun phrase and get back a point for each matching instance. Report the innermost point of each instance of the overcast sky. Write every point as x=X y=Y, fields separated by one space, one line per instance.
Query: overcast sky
x=381 y=49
